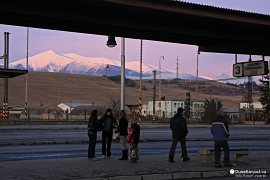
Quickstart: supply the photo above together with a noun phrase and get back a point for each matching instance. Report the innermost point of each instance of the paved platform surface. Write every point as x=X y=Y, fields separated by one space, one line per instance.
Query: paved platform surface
x=148 y=167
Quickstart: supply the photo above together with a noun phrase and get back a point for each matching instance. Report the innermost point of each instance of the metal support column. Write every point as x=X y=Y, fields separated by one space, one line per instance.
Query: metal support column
x=140 y=91
x=6 y=61
x=249 y=96
x=26 y=77
x=123 y=74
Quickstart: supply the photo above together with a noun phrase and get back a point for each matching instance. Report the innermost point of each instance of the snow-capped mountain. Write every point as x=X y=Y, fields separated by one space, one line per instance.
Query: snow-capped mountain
x=93 y=60
x=47 y=61
x=50 y=61
x=223 y=76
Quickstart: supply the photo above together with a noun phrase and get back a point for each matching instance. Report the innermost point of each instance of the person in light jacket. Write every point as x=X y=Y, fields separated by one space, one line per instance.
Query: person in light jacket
x=220 y=132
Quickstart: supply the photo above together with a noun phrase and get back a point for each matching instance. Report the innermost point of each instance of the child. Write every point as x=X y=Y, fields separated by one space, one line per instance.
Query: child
x=133 y=139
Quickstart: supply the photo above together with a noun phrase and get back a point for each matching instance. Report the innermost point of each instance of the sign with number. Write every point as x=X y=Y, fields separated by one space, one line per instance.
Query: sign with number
x=238 y=70
x=254 y=68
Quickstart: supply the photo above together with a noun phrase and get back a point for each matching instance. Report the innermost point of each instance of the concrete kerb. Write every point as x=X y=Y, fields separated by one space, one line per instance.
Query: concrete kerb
x=146 y=169
x=169 y=176
x=209 y=174
x=99 y=141
x=66 y=127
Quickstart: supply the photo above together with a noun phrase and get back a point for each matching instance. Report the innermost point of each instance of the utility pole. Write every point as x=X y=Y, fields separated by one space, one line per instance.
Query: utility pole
x=123 y=74
x=197 y=78
x=140 y=91
x=177 y=68
x=159 y=93
x=249 y=96
x=107 y=67
x=161 y=57
x=6 y=61
x=154 y=94
x=26 y=76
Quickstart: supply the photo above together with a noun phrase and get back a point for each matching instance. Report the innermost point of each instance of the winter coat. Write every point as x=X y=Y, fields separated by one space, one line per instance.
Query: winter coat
x=93 y=124
x=123 y=127
x=134 y=134
x=178 y=126
x=220 y=129
x=104 y=120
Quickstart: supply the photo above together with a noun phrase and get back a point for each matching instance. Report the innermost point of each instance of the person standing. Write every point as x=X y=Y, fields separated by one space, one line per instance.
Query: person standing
x=107 y=122
x=220 y=132
x=123 y=131
x=93 y=126
x=133 y=139
x=179 y=129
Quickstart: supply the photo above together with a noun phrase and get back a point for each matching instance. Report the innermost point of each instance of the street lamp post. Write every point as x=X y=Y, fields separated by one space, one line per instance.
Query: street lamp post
x=112 y=43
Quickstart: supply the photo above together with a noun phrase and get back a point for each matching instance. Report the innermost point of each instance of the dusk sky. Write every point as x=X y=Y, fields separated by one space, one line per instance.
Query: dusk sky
x=211 y=64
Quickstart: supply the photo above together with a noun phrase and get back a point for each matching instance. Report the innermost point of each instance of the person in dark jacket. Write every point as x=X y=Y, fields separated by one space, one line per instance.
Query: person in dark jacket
x=107 y=122
x=220 y=132
x=93 y=126
x=179 y=129
x=123 y=131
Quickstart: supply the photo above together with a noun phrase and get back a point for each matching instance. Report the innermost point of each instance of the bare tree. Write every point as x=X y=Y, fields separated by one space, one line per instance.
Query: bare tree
x=114 y=103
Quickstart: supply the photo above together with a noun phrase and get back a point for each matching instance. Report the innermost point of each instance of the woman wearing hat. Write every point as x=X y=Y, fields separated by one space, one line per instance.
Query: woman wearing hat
x=107 y=122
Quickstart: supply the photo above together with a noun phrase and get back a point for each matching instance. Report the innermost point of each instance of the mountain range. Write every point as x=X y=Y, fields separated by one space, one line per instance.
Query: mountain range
x=71 y=63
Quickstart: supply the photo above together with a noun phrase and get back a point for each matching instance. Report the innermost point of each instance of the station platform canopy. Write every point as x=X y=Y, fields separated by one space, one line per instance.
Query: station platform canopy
x=210 y=28
x=11 y=73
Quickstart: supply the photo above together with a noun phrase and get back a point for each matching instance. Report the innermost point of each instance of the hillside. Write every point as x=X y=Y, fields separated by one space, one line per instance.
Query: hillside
x=54 y=88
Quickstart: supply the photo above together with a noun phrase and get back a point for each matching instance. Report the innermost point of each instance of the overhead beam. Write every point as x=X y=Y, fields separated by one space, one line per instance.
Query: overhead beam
x=213 y=29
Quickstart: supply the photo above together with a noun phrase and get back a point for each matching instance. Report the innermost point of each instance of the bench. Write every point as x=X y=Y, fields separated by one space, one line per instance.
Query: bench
x=206 y=155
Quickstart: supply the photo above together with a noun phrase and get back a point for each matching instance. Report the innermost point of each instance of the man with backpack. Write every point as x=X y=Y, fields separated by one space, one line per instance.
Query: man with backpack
x=179 y=129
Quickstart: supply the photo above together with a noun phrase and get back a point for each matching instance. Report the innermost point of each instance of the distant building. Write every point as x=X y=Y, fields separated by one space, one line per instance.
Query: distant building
x=144 y=109
x=197 y=108
x=257 y=112
x=168 y=108
x=256 y=106
x=164 y=109
x=233 y=114
x=72 y=105
x=41 y=113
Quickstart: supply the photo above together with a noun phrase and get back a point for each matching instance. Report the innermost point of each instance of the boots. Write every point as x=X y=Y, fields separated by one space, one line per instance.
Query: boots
x=185 y=158
x=124 y=155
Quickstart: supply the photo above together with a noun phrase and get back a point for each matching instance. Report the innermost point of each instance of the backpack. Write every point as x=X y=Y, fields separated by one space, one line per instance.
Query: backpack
x=131 y=135
x=134 y=134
